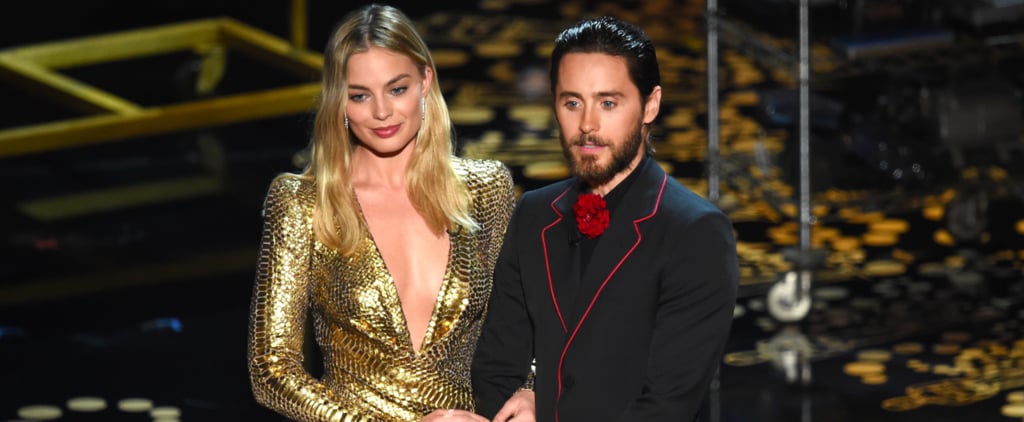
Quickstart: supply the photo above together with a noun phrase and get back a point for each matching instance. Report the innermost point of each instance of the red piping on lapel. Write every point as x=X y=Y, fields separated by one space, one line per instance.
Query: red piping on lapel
x=547 y=261
x=639 y=237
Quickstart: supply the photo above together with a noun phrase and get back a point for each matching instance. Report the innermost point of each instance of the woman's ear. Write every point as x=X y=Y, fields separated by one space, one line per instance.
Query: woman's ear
x=428 y=78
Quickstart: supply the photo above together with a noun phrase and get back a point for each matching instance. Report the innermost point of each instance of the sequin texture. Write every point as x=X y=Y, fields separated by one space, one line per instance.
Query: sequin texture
x=371 y=371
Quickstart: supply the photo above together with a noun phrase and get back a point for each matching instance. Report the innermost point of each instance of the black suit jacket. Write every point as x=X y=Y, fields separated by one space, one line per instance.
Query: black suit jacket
x=651 y=312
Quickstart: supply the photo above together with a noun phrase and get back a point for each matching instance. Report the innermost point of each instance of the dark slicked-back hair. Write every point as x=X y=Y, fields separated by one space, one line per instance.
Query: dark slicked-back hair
x=607 y=35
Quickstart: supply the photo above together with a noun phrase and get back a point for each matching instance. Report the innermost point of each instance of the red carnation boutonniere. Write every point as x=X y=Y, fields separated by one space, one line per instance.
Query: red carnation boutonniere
x=591 y=214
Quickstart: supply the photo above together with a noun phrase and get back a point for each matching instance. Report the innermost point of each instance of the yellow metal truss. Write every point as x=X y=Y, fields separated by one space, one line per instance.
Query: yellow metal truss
x=112 y=118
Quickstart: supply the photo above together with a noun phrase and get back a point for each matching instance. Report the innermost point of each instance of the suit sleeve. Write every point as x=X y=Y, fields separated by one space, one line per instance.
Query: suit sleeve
x=505 y=349
x=278 y=314
x=697 y=297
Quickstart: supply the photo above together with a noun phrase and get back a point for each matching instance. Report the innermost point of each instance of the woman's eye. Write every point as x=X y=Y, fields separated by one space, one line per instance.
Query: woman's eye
x=358 y=98
x=399 y=90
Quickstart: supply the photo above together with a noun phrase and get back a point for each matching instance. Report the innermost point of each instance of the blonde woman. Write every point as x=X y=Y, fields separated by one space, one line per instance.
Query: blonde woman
x=386 y=240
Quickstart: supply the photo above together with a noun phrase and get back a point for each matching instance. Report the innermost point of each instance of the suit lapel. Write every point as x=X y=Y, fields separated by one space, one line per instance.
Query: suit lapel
x=620 y=239
x=559 y=261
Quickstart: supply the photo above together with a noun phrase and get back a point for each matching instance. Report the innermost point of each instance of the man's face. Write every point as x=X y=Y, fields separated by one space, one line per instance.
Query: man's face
x=601 y=116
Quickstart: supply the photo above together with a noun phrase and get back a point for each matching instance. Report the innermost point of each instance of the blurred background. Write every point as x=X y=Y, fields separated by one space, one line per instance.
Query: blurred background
x=881 y=272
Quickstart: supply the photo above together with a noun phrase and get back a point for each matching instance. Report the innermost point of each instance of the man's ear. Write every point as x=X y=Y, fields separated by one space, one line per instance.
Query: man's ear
x=653 y=105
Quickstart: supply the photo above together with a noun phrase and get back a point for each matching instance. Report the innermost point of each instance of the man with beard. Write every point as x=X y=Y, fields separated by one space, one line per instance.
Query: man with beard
x=614 y=290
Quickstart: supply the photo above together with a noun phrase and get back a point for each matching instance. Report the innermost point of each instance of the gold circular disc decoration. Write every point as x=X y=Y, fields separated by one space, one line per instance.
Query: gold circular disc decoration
x=908 y=348
x=498 y=49
x=40 y=412
x=165 y=412
x=1013 y=410
x=874 y=355
x=466 y=115
x=546 y=170
x=861 y=368
x=449 y=57
x=134 y=405
x=87 y=404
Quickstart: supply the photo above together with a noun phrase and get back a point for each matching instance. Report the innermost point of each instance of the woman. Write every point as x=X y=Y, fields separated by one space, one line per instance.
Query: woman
x=386 y=241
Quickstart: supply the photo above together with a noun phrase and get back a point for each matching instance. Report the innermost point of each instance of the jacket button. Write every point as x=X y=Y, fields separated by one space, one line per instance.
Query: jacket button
x=567 y=382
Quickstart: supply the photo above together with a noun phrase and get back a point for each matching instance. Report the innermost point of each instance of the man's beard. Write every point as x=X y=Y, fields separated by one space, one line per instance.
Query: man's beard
x=587 y=167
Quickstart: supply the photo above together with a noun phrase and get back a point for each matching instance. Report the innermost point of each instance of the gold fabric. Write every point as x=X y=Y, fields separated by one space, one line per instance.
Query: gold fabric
x=371 y=371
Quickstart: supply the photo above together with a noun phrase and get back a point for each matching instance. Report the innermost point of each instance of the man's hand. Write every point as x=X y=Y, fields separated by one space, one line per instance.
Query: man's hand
x=452 y=415
x=519 y=408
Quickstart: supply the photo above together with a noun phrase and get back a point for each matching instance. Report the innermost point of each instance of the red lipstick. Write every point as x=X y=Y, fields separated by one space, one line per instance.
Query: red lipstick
x=387 y=131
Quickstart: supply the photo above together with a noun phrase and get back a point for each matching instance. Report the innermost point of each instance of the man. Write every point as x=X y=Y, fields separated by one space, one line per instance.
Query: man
x=622 y=315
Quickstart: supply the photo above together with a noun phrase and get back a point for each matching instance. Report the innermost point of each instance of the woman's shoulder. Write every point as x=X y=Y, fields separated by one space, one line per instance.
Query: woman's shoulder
x=481 y=171
x=291 y=183
x=292 y=188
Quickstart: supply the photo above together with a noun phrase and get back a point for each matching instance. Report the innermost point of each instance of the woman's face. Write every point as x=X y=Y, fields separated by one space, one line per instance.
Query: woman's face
x=384 y=91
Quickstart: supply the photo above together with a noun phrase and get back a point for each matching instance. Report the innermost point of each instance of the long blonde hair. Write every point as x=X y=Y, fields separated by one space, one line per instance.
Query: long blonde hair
x=431 y=183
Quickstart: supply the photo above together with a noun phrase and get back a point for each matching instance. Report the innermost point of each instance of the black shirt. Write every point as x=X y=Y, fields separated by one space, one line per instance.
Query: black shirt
x=612 y=199
x=583 y=247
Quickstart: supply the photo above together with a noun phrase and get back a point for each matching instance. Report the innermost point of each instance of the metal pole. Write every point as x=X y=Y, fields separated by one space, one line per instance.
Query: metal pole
x=805 y=132
x=298 y=16
x=712 y=102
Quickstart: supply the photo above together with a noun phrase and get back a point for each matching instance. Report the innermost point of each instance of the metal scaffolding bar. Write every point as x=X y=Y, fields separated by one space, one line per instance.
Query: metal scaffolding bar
x=110 y=117
x=713 y=159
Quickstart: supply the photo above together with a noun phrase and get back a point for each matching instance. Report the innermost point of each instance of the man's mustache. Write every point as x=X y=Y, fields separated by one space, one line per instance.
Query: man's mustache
x=582 y=140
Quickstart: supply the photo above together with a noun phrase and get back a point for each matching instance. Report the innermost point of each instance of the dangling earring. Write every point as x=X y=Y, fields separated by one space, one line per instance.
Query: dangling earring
x=346 y=122
x=423 y=108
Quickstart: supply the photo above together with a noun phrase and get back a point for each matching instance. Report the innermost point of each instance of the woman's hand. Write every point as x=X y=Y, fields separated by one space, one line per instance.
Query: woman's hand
x=453 y=415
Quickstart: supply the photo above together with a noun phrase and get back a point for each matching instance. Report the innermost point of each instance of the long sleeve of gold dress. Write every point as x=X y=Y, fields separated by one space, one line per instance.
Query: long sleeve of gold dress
x=371 y=371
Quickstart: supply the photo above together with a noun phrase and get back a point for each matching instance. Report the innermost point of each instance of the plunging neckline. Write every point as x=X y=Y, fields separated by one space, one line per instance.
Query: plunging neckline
x=393 y=288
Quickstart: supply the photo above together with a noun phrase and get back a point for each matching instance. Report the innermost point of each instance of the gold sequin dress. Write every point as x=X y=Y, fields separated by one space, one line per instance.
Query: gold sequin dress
x=371 y=371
